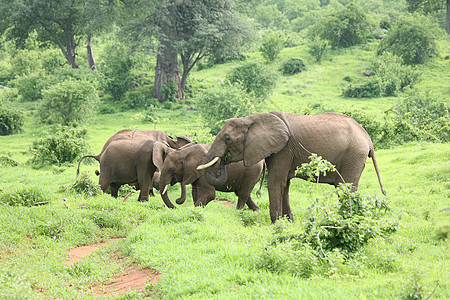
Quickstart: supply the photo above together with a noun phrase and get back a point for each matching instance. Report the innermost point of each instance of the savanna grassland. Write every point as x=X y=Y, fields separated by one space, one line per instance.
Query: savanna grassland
x=398 y=250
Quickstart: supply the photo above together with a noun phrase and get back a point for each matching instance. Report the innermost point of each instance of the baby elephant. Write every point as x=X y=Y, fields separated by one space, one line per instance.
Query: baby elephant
x=180 y=165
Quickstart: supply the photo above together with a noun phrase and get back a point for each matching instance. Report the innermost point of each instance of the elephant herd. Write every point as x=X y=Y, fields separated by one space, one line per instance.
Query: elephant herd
x=237 y=157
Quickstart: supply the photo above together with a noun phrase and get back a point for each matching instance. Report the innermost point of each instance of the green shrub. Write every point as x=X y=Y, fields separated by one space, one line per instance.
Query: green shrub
x=254 y=78
x=68 y=103
x=218 y=104
x=11 y=121
x=393 y=76
x=369 y=89
x=84 y=185
x=418 y=117
x=64 y=145
x=413 y=38
x=139 y=97
x=169 y=91
x=24 y=197
x=6 y=161
x=343 y=28
x=271 y=45
x=318 y=47
x=9 y=95
x=29 y=86
x=292 y=66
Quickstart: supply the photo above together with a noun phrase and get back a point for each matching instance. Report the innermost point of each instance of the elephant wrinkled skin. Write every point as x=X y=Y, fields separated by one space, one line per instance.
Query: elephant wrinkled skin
x=286 y=140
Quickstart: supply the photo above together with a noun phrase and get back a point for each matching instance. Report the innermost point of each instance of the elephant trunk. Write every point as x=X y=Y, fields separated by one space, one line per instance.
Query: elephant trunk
x=216 y=178
x=165 y=198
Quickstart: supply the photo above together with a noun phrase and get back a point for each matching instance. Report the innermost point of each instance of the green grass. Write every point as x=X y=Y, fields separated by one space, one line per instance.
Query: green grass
x=216 y=251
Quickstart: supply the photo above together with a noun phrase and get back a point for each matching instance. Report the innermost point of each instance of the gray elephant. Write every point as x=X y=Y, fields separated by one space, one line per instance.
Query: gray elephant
x=130 y=141
x=181 y=166
x=127 y=161
x=285 y=141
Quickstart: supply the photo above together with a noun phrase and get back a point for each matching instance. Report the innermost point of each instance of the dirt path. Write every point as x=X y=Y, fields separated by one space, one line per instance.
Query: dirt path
x=133 y=278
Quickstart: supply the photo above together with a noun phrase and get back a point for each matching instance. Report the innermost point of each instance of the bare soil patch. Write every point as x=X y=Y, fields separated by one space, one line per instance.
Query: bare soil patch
x=133 y=278
x=225 y=202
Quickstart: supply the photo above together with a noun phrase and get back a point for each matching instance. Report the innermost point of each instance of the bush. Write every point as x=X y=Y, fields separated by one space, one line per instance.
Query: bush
x=11 y=121
x=389 y=77
x=9 y=95
x=6 y=161
x=392 y=75
x=369 y=89
x=271 y=45
x=65 y=145
x=83 y=185
x=29 y=86
x=254 y=78
x=318 y=47
x=413 y=38
x=218 y=104
x=68 y=103
x=139 y=97
x=24 y=197
x=418 y=117
x=343 y=28
x=292 y=66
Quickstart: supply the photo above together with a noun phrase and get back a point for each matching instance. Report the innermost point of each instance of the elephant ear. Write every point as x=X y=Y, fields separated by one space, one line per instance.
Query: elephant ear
x=183 y=140
x=191 y=160
x=267 y=134
x=159 y=153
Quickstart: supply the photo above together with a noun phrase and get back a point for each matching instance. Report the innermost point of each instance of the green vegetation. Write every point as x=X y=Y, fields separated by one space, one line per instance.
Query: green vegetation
x=341 y=246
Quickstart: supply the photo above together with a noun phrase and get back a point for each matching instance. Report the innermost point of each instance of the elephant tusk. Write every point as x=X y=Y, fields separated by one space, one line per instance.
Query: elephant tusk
x=212 y=162
x=165 y=189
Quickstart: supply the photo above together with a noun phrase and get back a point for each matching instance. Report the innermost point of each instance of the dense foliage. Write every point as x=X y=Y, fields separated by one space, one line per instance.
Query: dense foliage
x=11 y=120
x=64 y=145
x=413 y=38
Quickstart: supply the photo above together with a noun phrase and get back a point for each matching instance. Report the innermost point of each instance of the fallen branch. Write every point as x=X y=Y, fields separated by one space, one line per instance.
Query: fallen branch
x=41 y=203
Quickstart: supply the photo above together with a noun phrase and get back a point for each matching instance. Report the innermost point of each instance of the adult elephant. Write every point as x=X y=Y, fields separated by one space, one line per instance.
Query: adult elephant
x=181 y=166
x=138 y=137
x=286 y=140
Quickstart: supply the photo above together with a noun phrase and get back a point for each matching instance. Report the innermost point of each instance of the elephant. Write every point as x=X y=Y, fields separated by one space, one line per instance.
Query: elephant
x=137 y=136
x=180 y=165
x=127 y=161
x=285 y=141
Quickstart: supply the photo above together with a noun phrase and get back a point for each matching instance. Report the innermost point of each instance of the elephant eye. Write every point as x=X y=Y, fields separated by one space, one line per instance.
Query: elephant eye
x=226 y=137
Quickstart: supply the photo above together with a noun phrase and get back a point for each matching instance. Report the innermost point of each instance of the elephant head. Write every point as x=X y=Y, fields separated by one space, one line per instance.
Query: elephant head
x=177 y=165
x=250 y=139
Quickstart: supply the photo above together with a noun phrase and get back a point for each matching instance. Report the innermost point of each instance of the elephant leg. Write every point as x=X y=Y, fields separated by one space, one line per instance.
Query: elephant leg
x=241 y=201
x=278 y=167
x=204 y=193
x=252 y=204
x=286 y=204
x=114 y=189
x=351 y=171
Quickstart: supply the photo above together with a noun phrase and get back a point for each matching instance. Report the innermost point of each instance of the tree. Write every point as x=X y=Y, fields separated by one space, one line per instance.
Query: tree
x=413 y=38
x=343 y=28
x=62 y=23
x=191 y=29
x=429 y=7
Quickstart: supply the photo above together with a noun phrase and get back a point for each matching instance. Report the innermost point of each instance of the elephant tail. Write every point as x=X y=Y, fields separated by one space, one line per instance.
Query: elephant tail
x=372 y=155
x=258 y=193
x=97 y=157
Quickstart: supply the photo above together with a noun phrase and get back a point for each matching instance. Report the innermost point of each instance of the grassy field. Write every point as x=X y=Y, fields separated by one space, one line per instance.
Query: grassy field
x=216 y=251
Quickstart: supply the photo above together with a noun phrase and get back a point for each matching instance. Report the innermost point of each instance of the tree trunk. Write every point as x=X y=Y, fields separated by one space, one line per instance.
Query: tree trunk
x=167 y=72
x=90 y=54
x=447 y=20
